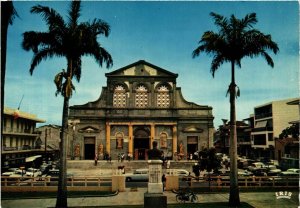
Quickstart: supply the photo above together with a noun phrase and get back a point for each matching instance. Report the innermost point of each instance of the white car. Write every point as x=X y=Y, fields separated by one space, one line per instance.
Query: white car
x=293 y=170
x=33 y=172
x=138 y=175
x=7 y=173
x=290 y=172
x=181 y=173
x=272 y=170
x=18 y=174
x=256 y=165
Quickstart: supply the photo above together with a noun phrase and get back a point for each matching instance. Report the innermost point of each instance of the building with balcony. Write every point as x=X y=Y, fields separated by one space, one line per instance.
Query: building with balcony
x=222 y=138
x=269 y=121
x=140 y=104
x=18 y=140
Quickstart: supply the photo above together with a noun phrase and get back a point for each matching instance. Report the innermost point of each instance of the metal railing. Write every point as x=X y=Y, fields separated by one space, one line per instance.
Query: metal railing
x=53 y=181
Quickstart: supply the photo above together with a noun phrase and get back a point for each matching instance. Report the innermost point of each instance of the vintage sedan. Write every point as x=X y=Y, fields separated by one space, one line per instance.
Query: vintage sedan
x=138 y=175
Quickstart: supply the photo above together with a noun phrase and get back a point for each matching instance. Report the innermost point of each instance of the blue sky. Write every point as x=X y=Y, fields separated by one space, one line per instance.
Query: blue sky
x=164 y=34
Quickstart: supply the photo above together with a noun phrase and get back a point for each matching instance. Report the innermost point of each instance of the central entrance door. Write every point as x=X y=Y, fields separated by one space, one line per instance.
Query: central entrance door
x=89 y=148
x=141 y=144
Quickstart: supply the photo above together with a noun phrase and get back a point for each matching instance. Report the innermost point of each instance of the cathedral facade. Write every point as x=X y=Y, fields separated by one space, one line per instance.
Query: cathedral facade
x=140 y=104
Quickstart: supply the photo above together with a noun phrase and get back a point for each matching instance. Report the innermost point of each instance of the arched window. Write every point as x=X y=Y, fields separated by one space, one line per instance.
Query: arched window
x=119 y=97
x=141 y=96
x=163 y=97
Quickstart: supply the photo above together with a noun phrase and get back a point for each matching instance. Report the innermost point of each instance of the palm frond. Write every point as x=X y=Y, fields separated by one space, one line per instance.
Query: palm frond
x=249 y=20
x=32 y=40
x=100 y=27
x=42 y=54
x=267 y=58
x=220 y=20
x=53 y=19
x=217 y=61
x=74 y=14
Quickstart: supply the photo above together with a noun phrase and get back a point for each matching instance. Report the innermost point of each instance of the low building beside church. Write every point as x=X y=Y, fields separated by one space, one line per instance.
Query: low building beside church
x=140 y=104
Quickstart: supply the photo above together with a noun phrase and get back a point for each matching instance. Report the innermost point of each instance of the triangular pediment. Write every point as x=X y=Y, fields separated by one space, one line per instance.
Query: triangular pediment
x=192 y=129
x=141 y=68
x=89 y=129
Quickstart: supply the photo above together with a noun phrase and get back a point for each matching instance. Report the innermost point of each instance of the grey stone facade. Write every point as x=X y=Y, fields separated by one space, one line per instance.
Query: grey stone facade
x=141 y=103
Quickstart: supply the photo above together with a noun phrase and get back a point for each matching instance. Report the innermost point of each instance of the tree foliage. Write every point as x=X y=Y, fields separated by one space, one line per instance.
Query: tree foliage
x=208 y=160
x=292 y=131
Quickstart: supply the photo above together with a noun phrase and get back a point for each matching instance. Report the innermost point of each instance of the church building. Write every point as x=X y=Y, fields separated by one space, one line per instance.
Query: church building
x=140 y=104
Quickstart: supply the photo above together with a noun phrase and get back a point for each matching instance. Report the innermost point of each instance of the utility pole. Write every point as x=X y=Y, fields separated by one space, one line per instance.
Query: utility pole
x=46 y=132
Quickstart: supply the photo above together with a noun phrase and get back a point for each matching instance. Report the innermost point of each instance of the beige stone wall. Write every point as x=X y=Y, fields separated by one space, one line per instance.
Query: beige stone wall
x=283 y=114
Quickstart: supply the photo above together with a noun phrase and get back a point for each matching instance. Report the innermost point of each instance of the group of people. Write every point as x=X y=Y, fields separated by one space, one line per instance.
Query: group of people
x=106 y=157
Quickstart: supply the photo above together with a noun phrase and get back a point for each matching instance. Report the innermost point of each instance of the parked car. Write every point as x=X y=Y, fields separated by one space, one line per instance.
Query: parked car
x=8 y=173
x=290 y=172
x=33 y=172
x=260 y=172
x=272 y=170
x=138 y=175
x=181 y=173
x=256 y=165
x=293 y=170
x=244 y=173
x=19 y=174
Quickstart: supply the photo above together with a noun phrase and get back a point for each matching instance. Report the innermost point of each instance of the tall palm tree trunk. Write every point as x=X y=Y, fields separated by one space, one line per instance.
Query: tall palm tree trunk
x=61 y=200
x=234 y=198
x=6 y=15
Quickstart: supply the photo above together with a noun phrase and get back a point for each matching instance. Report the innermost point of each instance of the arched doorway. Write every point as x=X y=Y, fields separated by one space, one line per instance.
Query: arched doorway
x=141 y=143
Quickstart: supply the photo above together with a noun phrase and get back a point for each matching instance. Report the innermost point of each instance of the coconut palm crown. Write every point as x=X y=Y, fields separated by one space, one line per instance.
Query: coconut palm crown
x=236 y=39
x=67 y=39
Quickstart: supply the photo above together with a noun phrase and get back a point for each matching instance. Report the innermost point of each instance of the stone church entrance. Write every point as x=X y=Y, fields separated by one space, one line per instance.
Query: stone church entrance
x=89 y=148
x=141 y=144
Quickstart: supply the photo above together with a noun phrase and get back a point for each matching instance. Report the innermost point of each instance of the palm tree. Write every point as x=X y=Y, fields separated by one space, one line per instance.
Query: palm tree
x=8 y=13
x=235 y=40
x=70 y=40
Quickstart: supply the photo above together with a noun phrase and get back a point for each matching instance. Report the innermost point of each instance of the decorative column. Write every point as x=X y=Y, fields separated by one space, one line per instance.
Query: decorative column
x=152 y=132
x=130 y=143
x=174 y=139
x=108 y=138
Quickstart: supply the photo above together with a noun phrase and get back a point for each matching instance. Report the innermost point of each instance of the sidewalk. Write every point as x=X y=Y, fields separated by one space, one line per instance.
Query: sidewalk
x=255 y=199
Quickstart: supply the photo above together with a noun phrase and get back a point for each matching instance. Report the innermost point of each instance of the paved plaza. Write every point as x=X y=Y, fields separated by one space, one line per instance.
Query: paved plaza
x=254 y=199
